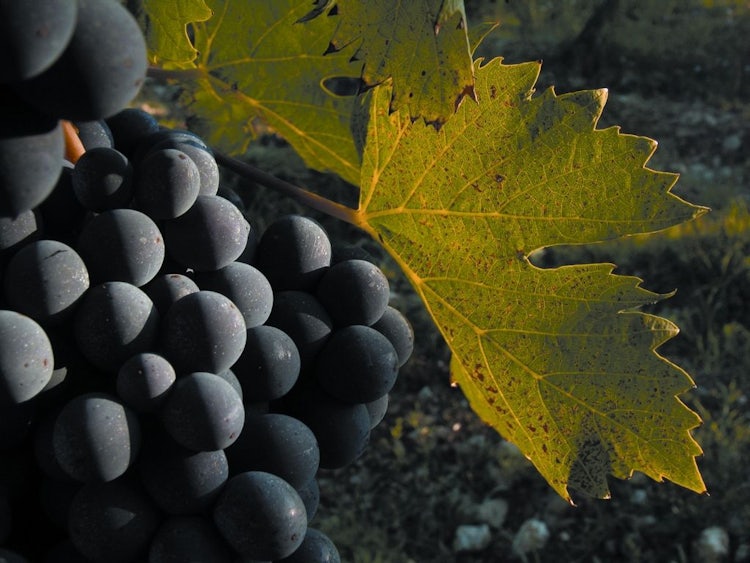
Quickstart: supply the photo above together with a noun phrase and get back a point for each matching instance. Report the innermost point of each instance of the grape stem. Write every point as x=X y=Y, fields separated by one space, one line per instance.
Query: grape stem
x=73 y=146
x=305 y=197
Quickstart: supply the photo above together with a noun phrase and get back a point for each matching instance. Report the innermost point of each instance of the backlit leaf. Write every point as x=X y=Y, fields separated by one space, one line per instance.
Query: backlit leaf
x=422 y=45
x=257 y=67
x=165 y=27
x=558 y=361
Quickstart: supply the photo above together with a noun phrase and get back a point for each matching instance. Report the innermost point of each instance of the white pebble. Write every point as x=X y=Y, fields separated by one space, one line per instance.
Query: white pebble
x=531 y=536
x=471 y=538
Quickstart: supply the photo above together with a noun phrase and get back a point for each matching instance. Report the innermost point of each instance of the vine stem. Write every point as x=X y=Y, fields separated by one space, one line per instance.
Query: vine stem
x=310 y=199
x=73 y=146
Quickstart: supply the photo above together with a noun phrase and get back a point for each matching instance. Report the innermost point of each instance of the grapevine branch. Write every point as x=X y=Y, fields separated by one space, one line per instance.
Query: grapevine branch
x=305 y=197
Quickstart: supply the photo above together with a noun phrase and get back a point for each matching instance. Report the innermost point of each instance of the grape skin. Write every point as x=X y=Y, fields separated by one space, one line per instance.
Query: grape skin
x=95 y=438
x=103 y=179
x=203 y=413
x=261 y=516
x=82 y=87
x=33 y=34
x=26 y=357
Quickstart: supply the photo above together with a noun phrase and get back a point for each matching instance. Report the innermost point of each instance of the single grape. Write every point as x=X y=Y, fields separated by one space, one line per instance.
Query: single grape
x=165 y=289
x=100 y=71
x=189 y=538
x=16 y=231
x=303 y=318
x=396 y=328
x=357 y=364
x=315 y=548
x=208 y=169
x=114 y=321
x=103 y=179
x=94 y=134
x=122 y=245
x=278 y=444
x=261 y=516
x=45 y=280
x=210 y=235
x=203 y=331
x=180 y=480
x=129 y=127
x=268 y=366
x=293 y=252
x=112 y=522
x=228 y=376
x=31 y=155
x=33 y=34
x=95 y=438
x=167 y=184
x=310 y=495
x=354 y=292
x=246 y=286
x=202 y=412
x=26 y=358
x=342 y=429
x=377 y=409
x=144 y=380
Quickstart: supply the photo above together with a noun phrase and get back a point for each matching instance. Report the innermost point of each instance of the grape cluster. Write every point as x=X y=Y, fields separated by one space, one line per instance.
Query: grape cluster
x=172 y=381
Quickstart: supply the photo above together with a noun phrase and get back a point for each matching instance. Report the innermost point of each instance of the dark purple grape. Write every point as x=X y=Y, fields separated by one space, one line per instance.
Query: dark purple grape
x=304 y=319
x=293 y=252
x=279 y=444
x=103 y=179
x=122 y=245
x=95 y=438
x=357 y=364
x=45 y=280
x=204 y=161
x=164 y=290
x=112 y=522
x=114 y=321
x=189 y=538
x=167 y=184
x=396 y=328
x=26 y=358
x=100 y=71
x=203 y=331
x=33 y=34
x=316 y=548
x=342 y=429
x=246 y=286
x=269 y=365
x=180 y=480
x=228 y=376
x=129 y=127
x=144 y=380
x=210 y=235
x=202 y=412
x=354 y=292
x=377 y=409
x=31 y=155
x=310 y=495
x=94 y=134
x=16 y=231
x=261 y=516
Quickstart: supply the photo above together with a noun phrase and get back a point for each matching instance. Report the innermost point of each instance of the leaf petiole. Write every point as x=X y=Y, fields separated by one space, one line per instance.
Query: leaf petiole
x=305 y=197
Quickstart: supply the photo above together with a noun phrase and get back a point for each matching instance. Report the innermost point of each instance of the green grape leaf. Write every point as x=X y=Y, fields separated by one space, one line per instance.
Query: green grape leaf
x=165 y=27
x=257 y=67
x=422 y=45
x=558 y=360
